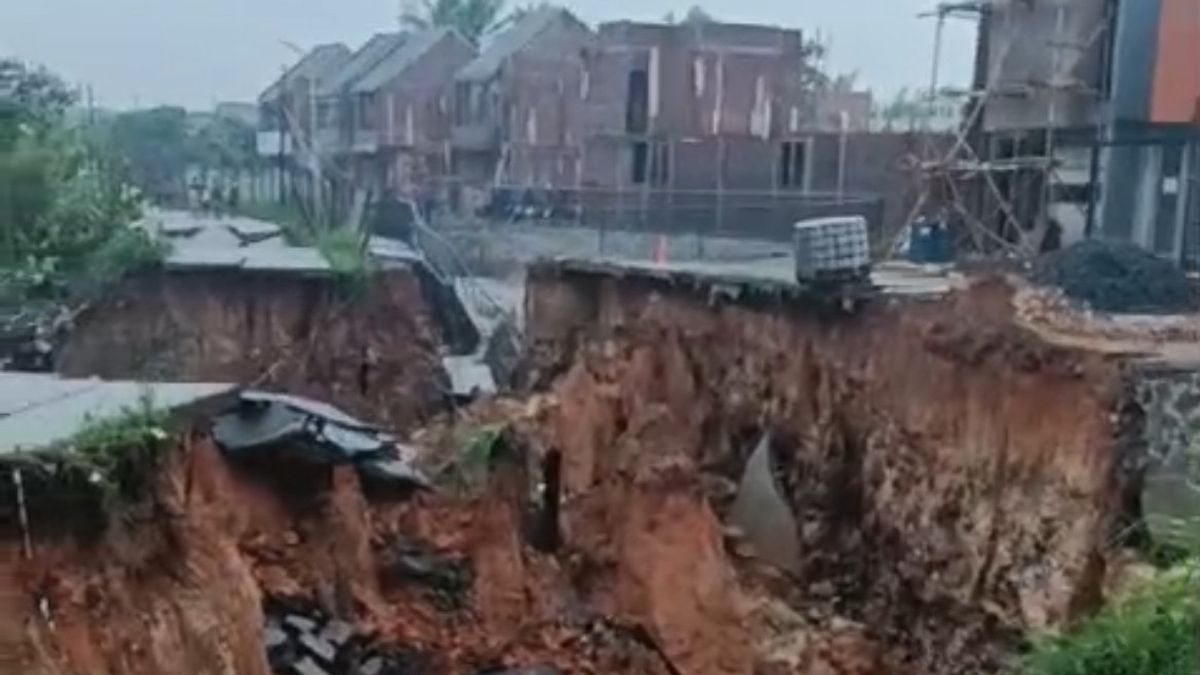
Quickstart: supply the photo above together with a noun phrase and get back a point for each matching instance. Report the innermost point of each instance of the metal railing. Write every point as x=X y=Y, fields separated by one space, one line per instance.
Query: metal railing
x=733 y=214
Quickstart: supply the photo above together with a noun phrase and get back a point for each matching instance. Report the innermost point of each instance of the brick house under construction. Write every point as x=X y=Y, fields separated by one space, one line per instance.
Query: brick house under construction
x=701 y=122
x=403 y=114
x=518 y=105
x=378 y=119
x=700 y=126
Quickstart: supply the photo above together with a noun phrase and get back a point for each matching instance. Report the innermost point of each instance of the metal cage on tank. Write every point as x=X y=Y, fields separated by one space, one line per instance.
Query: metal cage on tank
x=832 y=249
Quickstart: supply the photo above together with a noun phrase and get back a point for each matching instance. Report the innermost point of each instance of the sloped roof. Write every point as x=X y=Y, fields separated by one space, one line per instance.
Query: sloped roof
x=401 y=59
x=511 y=41
x=245 y=113
x=378 y=48
x=317 y=65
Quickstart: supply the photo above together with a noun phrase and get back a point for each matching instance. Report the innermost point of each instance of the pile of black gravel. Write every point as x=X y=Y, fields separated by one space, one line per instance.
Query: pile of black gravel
x=1117 y=277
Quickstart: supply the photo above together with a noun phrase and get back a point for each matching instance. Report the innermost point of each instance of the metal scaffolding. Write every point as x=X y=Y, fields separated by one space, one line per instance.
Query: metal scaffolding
x=999 y=198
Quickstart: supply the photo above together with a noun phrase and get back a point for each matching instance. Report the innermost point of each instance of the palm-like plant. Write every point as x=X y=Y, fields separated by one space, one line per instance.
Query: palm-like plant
x=472 y=18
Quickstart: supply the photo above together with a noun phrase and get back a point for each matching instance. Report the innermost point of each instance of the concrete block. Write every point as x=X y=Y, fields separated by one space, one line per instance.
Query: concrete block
x=307 y=666
x=318 y=647
x=337 y=632
x=300 y=623
x=372 y=666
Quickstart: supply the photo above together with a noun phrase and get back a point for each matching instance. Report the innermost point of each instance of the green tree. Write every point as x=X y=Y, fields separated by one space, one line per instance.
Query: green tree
x=904 y=111
x=33 y=101
x=521 y=11
x=474 y=19
x=222 y=143
x=697 y=15
x=61 y=202
x=154 y=148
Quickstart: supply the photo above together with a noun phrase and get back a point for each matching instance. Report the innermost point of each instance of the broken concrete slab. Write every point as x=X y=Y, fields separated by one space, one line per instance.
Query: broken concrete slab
x=299 y=623
x=337 y=632
x=41 y=410
x=318 y=647
x=372 y=666
x=307 y=666
x=274 y=636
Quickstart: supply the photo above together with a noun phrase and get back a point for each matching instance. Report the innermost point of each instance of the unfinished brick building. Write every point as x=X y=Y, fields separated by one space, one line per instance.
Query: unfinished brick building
x=699 y=121
x=518 y=105
x=698 y=127
x=403 y=116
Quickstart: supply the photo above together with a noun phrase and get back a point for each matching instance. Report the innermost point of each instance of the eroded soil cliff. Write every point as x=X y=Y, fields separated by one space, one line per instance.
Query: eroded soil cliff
x=955 y=480
x=373 y=350
x=955 y=483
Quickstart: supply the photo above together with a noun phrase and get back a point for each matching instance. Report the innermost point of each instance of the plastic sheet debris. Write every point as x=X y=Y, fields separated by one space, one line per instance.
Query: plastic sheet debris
x=762 y=514
x=265 y=425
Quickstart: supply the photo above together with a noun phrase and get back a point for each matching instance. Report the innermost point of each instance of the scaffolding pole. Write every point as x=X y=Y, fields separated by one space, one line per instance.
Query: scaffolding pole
x=1030 y=174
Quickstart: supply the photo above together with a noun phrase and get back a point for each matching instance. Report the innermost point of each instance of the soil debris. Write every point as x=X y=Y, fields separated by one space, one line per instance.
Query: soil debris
x=308 y=642
x=1117 y=277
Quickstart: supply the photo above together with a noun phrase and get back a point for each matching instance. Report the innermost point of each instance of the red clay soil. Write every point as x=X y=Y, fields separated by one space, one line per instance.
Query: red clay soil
x=956 y=480
x=374 y=353
x=182 y=589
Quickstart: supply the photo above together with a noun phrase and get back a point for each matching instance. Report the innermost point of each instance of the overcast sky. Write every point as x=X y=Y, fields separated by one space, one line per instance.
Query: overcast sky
x=197 y=52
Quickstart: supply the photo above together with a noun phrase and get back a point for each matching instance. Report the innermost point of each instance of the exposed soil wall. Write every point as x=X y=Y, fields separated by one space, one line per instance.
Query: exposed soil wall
x=955 y=480
x=956 y=483
x=182 y=583
x=373 y=352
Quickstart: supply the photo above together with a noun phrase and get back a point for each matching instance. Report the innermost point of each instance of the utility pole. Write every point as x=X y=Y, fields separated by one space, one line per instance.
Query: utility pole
x=310 y=145
x=843 y=137
x=282 y=162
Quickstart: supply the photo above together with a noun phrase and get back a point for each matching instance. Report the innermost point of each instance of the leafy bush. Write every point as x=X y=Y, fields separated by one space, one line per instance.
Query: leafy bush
x=127 y=250
x=120 y=453
x=346 y=252
x=1151 y=632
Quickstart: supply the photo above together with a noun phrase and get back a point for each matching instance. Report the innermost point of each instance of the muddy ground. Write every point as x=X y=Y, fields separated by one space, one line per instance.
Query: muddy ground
x=956 y=482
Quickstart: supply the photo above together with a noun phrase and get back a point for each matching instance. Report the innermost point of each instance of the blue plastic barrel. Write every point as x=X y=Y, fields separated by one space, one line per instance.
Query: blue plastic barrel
x=929 y=242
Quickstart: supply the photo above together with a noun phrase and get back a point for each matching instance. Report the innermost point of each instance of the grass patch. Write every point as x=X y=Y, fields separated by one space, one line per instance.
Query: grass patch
x=129 y=250
x=475 y=446
x=1153 y=631
x=120 y=454
x=346 y=252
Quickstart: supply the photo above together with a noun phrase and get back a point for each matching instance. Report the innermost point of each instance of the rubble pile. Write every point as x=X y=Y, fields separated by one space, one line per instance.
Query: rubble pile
x=1117 y=277
x=309 y=643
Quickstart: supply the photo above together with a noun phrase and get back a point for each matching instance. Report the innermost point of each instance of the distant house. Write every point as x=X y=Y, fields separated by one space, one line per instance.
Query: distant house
x=243 y=113
x=694 y=113
x=287 y=114
x=286 y=110
x=402 y=116
x=518 y=105
x=335 y=104
x=336 y=119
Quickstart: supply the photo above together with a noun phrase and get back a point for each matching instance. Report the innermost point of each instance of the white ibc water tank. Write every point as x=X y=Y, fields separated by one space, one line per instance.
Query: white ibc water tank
x=832 y=249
